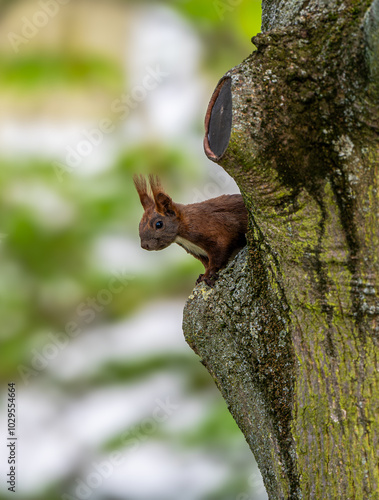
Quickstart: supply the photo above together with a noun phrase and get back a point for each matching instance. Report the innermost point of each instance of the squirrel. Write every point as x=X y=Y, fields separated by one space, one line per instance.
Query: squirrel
x=213 y=231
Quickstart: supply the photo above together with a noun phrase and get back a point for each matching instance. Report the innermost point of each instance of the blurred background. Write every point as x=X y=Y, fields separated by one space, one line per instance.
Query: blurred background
x=111 y=402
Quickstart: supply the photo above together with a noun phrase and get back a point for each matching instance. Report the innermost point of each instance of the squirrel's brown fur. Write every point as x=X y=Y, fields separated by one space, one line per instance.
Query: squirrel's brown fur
x=213 y=231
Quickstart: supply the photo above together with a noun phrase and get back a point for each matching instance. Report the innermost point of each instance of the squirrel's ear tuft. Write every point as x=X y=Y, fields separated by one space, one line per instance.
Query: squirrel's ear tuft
x=141 y=186
x=163 y=203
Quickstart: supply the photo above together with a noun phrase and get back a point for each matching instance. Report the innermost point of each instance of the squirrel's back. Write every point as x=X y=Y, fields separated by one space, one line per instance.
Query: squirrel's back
x=226 y=210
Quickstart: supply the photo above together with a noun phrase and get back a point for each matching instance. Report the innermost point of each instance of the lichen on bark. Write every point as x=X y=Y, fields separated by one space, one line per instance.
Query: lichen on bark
x=290 y=331
x=250 y=357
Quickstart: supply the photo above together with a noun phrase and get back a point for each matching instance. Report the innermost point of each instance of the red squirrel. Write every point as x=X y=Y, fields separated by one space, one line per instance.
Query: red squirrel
x=213 y=231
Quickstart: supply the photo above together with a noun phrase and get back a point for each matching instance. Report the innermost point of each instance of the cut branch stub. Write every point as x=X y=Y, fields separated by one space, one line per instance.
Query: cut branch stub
x=218 y=120
x=228 y=140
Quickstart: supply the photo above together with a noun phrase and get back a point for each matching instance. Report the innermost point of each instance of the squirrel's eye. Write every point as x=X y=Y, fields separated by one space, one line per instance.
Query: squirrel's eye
x=159 y=224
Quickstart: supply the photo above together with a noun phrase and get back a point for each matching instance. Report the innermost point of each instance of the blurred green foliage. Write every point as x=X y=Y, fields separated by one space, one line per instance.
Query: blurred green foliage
x=45 y=71
x=48 y=262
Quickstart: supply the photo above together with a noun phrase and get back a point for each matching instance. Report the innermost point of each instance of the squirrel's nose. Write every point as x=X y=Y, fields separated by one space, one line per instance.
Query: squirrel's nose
x=144 y=245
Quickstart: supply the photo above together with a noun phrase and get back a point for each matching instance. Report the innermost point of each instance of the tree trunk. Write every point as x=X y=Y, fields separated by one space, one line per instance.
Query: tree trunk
x=290 y=330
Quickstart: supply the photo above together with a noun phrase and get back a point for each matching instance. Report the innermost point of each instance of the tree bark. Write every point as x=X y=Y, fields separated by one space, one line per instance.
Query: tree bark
x=290 y=331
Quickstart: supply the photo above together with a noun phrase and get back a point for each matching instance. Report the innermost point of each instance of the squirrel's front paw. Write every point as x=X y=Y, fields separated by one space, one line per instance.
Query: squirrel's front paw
x=200 y=279
x=209 y=280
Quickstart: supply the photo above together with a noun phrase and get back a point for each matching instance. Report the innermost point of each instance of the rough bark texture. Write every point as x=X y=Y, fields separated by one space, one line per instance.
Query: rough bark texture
x=290 y=331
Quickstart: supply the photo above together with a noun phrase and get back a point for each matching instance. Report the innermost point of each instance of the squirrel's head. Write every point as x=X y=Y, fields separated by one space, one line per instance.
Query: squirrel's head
x=159 y=224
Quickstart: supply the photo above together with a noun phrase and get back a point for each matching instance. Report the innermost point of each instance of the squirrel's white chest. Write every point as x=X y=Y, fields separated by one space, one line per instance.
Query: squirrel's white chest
x=191 y=247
